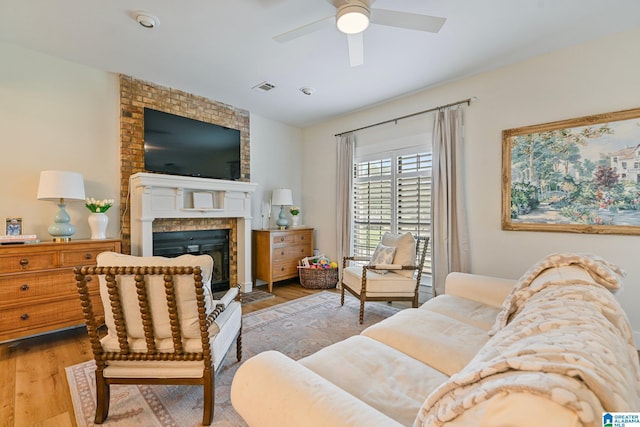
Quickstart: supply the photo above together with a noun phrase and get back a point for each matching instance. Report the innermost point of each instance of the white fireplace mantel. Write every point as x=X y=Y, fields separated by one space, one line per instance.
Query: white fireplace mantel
x=169 y=196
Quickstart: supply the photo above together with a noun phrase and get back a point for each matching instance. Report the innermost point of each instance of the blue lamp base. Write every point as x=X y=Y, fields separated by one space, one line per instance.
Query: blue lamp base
x=282 y=222
x=61 y=230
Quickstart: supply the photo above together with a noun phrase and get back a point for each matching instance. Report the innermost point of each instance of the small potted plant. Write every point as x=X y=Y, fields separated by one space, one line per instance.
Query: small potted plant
x=98 y=219
x=295 y=215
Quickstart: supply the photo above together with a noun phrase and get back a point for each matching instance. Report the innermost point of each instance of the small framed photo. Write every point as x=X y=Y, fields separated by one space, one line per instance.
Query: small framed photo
x=14 y=226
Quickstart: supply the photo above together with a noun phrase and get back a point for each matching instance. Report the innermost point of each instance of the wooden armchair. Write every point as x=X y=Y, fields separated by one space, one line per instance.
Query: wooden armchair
x=163 y=326
x=398 y=280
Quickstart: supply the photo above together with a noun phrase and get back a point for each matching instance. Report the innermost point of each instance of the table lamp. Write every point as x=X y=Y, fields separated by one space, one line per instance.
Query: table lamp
x=282 y=197
x=58 y=186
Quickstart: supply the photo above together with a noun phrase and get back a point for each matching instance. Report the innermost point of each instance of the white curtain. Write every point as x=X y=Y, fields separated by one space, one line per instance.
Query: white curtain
x=448 y=216
x=344 y=204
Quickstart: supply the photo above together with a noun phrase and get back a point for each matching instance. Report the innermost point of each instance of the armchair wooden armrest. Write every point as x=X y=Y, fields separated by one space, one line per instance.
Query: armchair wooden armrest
x=346 y=259
x=232 y=294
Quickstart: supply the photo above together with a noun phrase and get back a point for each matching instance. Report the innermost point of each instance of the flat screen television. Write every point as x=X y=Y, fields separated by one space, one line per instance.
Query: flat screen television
x=178 y=145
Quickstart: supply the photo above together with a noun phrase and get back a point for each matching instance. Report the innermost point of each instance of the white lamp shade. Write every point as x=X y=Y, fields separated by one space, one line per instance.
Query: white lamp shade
x=282 y=196
x=56 y=185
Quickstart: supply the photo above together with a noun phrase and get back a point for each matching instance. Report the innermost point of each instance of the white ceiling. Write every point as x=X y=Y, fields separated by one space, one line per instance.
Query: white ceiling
x=221 y=49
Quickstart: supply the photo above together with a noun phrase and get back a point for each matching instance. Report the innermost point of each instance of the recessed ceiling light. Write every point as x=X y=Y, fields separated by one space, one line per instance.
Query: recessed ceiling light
x=146 y=20
x=307 y=90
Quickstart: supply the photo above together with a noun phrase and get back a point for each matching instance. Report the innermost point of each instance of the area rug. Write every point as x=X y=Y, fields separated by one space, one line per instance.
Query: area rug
x=297 y=328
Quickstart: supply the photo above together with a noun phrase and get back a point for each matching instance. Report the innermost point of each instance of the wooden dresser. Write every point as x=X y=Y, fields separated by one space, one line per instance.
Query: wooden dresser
x=276 y=253
x=37 y=286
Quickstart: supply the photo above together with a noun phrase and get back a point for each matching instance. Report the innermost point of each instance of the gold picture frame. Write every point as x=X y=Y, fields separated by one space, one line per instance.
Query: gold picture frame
x=580 y=175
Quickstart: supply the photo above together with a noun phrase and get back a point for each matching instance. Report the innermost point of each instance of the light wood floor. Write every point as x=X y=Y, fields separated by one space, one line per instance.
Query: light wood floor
x=34 y=389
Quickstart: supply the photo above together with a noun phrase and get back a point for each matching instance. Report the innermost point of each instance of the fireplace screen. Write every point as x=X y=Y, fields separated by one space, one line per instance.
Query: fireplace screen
x=211 y=242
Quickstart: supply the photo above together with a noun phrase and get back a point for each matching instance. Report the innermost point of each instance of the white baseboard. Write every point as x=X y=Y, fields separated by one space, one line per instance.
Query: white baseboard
x=246 y=287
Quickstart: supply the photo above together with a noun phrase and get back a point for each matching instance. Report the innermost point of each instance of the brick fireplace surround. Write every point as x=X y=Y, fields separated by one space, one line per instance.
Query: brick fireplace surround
x=135 y=95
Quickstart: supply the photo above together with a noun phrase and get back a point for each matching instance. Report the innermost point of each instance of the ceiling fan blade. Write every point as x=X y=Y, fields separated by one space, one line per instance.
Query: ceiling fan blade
x=327 y=22
x=356 y=49
x=411 y=21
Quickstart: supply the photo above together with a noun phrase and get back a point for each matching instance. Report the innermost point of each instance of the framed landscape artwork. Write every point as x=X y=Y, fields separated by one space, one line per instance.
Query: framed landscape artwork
x=580 y=175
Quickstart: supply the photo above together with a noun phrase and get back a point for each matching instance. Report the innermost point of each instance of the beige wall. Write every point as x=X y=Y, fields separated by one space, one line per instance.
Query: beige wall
x=56 y=114
x=596 y=77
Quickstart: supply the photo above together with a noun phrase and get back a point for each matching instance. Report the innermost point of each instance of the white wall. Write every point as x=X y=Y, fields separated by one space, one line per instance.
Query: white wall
x=55 y=114
x=275 y=163
x=597 y=77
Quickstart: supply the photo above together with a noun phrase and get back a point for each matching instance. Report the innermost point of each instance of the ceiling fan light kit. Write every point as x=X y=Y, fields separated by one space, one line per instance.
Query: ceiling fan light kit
x=353 y=18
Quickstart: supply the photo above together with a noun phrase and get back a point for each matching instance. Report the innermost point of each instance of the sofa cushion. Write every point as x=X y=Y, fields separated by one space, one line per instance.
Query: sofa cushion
x=405 y=246
x=437 y=340
x=464 y=310
x=483 y=289
x=363 y=366
x=379 y=285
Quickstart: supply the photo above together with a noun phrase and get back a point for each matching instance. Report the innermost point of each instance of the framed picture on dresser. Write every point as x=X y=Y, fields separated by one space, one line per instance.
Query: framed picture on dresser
x=13 y=226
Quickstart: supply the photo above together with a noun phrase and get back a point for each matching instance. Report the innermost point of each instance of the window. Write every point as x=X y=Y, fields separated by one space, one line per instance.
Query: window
x=391 y=192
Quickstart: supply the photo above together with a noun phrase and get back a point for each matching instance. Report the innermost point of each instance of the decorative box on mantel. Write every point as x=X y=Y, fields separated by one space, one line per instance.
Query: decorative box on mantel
x=169 y=196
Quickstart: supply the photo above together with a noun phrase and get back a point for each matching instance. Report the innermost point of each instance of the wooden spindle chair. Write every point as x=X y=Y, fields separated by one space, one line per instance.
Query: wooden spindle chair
x=163 y=327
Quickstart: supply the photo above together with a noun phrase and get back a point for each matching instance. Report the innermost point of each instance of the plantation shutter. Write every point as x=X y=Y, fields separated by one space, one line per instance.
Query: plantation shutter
x=372 y=204
x=391 y=193
x=413 y=192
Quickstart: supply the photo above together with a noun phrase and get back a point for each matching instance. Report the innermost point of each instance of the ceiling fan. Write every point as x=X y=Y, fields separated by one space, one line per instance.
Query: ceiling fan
x=353 y=17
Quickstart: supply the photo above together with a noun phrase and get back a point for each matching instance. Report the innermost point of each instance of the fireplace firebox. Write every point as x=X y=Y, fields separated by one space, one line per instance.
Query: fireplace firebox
x=211 y=242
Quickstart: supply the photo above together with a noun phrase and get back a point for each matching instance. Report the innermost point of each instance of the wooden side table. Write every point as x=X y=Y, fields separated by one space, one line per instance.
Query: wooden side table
x=38 y=289
x=276 y=253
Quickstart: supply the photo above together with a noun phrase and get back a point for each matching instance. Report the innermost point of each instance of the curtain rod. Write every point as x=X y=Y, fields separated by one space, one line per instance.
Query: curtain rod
x=464 y=101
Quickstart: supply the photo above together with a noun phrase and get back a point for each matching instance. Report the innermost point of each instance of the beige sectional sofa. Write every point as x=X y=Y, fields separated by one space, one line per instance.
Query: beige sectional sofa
x=553 y=349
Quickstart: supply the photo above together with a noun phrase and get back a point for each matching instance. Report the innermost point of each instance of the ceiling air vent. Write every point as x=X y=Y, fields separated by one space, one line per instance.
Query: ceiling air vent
x=264 y=87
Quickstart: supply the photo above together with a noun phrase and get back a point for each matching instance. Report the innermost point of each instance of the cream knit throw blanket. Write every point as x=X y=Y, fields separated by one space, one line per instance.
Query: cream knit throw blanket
x=568 y=341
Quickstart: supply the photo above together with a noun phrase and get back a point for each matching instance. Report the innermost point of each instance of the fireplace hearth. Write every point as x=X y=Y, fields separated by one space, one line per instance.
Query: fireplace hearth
x=198 y=242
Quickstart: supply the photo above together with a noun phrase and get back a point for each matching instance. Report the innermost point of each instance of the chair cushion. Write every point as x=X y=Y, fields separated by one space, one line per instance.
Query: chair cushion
x=382 y=255
x=185 y=295
x=222 y=333
x=379 y=285
x=405 y=246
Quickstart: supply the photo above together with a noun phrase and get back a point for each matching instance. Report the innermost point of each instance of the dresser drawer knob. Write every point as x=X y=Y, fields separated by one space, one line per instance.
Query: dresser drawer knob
x=24 y=316
x=24 y=262
x=282 y=239
x=24 y=287
x=281 y=252
x=88 y=256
